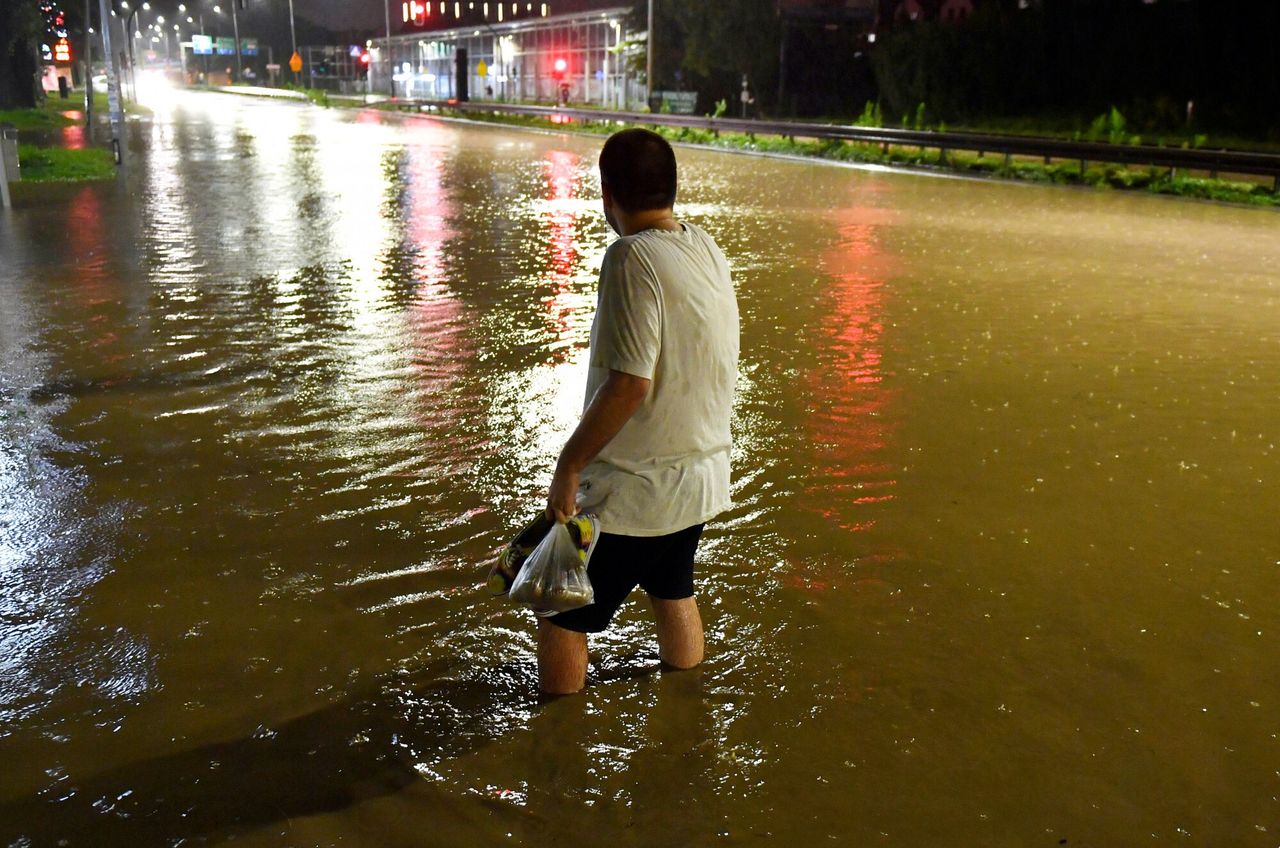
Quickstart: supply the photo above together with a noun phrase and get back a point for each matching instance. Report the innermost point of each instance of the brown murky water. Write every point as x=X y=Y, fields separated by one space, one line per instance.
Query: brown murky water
x=1003 y=568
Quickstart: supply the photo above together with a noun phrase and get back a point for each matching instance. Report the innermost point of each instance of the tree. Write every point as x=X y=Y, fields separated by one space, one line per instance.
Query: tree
x=730 y=38
x=20 y=27
x=710 y=46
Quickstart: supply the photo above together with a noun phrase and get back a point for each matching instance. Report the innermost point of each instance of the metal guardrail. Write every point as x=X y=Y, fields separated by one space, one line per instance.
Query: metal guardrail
x=1178 y=158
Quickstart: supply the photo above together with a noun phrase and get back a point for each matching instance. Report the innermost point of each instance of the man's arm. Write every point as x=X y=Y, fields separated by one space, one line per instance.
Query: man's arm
x=612 y=407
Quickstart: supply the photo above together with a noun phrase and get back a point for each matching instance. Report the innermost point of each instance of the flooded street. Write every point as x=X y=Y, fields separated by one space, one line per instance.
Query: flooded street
x=1002 y=569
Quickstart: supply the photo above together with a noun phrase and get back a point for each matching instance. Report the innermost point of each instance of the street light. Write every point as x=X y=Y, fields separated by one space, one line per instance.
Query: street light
x=128 y=25
x=648 y=61
x=235 y=27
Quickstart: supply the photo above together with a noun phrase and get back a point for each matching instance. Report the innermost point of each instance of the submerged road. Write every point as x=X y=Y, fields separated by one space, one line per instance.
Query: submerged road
x=1002 y=567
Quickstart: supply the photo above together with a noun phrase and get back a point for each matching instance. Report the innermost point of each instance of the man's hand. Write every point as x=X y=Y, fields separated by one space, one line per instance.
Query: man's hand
x=562 y=501
x=612 y=407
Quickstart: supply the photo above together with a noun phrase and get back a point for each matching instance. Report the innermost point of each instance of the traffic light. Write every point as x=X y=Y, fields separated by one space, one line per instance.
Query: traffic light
x=560 y=67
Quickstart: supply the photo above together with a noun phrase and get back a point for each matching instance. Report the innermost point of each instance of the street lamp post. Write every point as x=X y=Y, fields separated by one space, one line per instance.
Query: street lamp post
x=88 y=66
x=130 y=34
x=113 y=82
x=391 y=84
x=648 y=60
x=293 y=36
x=235 y=26
x=159 y=27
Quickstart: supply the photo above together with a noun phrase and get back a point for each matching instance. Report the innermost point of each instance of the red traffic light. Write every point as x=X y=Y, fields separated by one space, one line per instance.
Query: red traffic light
x=561 y=65
x=364 y=58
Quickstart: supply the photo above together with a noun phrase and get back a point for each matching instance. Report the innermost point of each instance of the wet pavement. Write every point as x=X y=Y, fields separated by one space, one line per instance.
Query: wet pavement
x=1001 y=571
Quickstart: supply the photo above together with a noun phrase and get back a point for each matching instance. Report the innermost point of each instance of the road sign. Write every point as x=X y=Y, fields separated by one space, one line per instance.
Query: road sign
x=295 y=63
x=202 y=45
x=677 y=102
x=249 y=47
x=226 y=46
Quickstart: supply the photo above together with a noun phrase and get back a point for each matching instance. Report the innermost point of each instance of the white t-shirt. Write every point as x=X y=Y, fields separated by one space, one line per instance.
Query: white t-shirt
x=667 y=312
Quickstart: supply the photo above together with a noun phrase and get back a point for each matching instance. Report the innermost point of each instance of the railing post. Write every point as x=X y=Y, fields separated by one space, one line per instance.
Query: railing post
x=4 y=184
x=5 y=201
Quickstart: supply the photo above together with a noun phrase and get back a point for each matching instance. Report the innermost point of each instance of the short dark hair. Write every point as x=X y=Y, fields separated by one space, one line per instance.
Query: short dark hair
x=639 y=169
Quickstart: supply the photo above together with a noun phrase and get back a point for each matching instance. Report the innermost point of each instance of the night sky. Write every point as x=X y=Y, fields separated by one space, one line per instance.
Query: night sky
x=345 y=14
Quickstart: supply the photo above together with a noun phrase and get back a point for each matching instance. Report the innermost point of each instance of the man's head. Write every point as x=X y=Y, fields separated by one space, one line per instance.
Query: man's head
x=638 y=172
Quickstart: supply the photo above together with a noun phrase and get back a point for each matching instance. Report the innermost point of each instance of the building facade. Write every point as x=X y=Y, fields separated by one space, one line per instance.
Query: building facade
x=581 y=58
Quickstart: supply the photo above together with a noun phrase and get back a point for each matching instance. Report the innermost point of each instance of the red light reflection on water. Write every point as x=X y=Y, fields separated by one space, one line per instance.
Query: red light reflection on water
x=97 y=283
x=848 y=428
x=86 y=220
x=74 y=137
x=436 y=320
x=564 y=179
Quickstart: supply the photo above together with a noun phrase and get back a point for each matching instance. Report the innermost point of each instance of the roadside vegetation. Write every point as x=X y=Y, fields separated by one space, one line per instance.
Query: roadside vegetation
x=39 y=155
x=318 y=96
x=1060 y=172
x=57 y=164
x=47 y=116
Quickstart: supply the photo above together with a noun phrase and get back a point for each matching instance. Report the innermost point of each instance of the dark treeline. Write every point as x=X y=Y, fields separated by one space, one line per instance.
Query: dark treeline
x=1077 y=58
x=20 y=28
x=709 y=47
x=1058 y=62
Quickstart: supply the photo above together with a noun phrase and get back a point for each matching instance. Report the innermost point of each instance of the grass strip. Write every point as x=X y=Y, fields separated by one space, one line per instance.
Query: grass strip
x=56 y=164
x=49 y=114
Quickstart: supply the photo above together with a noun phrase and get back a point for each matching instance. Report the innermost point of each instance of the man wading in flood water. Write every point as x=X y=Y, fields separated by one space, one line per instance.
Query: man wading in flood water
x=650 y=456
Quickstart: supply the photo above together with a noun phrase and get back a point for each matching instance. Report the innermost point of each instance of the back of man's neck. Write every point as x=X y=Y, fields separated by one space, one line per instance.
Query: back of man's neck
x=650 y=219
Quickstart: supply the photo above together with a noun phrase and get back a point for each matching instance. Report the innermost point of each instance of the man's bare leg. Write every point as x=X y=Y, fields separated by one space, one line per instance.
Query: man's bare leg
x=679 y=631
x=562 y=659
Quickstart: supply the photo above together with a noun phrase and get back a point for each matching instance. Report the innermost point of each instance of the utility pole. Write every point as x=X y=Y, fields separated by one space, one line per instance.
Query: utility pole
x=391 y=83
x=88 y=66
x=113 y=81
x=648 y=61
x=235 y=26
x=293 y=36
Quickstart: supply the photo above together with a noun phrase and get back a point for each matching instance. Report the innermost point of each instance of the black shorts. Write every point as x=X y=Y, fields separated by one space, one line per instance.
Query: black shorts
x=661 y=565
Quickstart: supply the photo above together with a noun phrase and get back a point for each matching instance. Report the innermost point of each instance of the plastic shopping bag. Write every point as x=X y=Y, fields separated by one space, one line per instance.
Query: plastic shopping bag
x=554 y=577
x=504 y=572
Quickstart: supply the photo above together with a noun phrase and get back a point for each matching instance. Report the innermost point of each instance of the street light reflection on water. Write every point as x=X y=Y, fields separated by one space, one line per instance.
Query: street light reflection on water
x=1002 y=551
